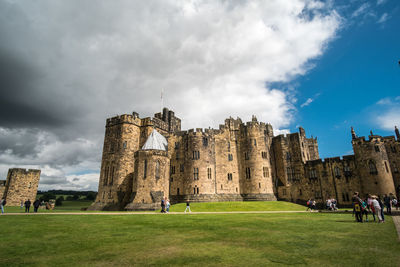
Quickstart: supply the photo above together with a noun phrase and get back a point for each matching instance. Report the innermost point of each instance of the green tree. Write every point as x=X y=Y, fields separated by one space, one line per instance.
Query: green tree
x=59 y=201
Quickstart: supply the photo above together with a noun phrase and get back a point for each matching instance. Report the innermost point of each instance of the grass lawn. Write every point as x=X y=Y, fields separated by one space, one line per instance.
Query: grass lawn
x=73 y=206
x=196 y=240
x=239 y=206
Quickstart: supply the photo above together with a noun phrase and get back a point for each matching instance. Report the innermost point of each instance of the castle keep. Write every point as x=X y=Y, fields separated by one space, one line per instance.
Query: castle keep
x=146 y=159
x=21 y=185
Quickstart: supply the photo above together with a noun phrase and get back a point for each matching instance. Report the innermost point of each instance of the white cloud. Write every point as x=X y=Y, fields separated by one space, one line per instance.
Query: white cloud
x=308 y=102
x=387 y=113
x=213 y=58
x=361 y=10
x=383 y=18
x=380 y=2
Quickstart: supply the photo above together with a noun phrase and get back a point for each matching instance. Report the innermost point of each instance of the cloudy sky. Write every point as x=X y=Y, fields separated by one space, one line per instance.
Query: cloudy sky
x=66 y=66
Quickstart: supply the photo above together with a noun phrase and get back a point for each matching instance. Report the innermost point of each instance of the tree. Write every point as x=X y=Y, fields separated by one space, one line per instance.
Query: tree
x=91 y=196
x=47 y=196
x=59 y=201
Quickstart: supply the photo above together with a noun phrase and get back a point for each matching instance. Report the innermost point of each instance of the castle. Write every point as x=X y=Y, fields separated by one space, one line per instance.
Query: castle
x=146 y=159
x=21 y=185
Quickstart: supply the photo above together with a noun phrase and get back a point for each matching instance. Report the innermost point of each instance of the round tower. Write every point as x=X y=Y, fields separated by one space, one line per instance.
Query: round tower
x=151 y=175
x=256 y=181
x=373 y=165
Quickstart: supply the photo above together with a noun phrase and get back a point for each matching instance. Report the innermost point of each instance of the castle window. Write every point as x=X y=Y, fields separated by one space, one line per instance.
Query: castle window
x=205 y=141
x=386 y=167
x=209 y=173
x=230 y=157
x=171 y=179
x=393 y=148
x=265 y=172
x=222 y=187
x=145 y=169
x=197 y=190
x=229 y=147
x=284 y=192
x=196 y=173
x=196 y=155
x=259 y=185
x=264 y=155
x=176 y=145
x=177 y=155
x=288 y=157
x=248 y=173
x=158 y=170
x=104 y=193
x=194 y=190
x=236 y=189
x=289 y=173
x=377 y=149
x=182 y=168
x=255 y=142
x=177 y=191
x=229 y=176
x=172 y=169
x=372 y=168
x=30 y=185
x=112 y=175
x=300 y=192
x=105 y=182
x=125 y=145
x=313 y=174
x=246 y=156
x=347 y=197
x=336 y=170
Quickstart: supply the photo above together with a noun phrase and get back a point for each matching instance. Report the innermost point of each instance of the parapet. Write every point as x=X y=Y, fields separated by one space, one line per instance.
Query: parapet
x=125 y=118
x=24 y=171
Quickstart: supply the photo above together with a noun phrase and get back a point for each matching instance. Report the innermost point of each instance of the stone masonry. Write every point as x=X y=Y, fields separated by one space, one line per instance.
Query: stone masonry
x=237 y=162
x=21 y=185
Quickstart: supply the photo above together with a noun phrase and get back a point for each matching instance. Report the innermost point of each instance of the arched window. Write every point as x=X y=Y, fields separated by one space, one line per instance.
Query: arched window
x=372 y=167
x=386 y=167
x=157 y=171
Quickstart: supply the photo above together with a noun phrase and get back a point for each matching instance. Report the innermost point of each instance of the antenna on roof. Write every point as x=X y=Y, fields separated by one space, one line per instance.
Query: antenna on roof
x=162 y=99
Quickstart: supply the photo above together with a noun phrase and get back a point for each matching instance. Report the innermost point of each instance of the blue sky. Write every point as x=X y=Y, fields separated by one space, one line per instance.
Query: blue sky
x=358 y=69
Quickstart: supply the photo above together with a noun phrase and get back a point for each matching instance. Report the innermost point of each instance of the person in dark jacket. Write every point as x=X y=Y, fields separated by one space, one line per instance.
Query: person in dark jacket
x=36 y=205
x=162 y=205
x=357 y=207
x=27 y=205
x=3 y=202
x=387 y=201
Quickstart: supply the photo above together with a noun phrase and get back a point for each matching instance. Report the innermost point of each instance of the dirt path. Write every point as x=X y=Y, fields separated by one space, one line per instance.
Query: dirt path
x=396 y=220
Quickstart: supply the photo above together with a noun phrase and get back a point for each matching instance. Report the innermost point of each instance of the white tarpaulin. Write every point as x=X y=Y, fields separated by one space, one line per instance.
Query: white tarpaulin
x=155 y=141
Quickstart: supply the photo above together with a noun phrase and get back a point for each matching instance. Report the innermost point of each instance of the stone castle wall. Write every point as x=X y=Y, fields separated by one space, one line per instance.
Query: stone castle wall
x=21 y=185
x=238 y=161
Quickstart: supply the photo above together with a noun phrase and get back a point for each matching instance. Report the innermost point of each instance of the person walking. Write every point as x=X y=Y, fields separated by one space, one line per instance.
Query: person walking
x=388 y=204
x=377 y=208
x=382 y=207
x=357 y=207
x=22 y=204
x=168 y=205
x=308 y=204
x=3 y=202
x=27 y=205
x=162 y=205
x=36 y=205
x=187 y=206
x=395 y=203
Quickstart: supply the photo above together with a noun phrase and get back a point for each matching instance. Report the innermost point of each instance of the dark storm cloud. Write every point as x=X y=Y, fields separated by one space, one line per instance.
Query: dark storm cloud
x=66 y=66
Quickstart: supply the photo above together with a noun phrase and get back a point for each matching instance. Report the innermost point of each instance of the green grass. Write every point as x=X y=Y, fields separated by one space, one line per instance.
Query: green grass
x=313 y=239
x=239 y=206
x=67 y=206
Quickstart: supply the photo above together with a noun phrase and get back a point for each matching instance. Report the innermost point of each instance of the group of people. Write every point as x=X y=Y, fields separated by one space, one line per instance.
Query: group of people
x=165 y=204
x=27 y=204
x=373 y=204
x=311 y=205
x=331 y=204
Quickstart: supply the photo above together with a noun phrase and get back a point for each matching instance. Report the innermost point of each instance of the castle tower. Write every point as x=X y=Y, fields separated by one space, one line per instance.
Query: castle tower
x=200 y=181
x=255 y=168
x=21 y=185
x=150 y=182
x=121 y=141
x=373 y=165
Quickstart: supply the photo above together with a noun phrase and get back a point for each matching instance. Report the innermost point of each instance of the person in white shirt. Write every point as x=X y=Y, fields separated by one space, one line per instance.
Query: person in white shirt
x=377 y=208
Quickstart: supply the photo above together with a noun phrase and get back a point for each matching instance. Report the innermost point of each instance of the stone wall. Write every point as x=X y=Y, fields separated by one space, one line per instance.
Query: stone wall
x=21 y=185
